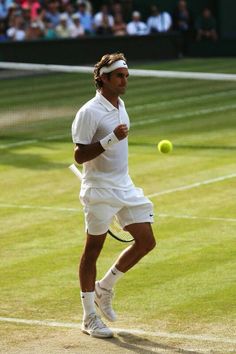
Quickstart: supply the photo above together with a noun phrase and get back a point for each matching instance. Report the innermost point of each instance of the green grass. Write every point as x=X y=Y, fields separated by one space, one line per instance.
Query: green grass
x=189 y=279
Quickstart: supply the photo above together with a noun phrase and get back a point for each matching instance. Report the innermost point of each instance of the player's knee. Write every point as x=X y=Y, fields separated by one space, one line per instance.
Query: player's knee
x=151 y=245
x=147 y=246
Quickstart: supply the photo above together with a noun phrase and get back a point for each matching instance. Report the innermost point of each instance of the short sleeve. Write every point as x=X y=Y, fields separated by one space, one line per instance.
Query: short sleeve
x=84 y=127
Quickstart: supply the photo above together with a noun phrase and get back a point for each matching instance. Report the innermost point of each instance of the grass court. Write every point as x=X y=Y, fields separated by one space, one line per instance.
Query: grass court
x=187 y=285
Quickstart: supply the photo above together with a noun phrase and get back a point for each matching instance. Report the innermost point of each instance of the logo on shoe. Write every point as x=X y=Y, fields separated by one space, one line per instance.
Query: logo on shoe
x=98 y=295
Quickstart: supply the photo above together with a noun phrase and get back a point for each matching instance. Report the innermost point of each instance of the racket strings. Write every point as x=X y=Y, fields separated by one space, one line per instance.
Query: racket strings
x=117 y=232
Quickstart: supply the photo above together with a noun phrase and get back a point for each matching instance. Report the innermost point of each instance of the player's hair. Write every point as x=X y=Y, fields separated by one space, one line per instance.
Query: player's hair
x=106 y=60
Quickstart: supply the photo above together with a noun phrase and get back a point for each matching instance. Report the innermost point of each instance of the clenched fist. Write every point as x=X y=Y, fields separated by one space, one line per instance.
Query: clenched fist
x=121 y=131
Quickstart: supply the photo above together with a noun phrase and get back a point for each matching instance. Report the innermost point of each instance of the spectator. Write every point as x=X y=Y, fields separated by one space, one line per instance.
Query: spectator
x=3 y=10
x=40 y=19
x=182 y=19
x=16 y=32
x=119 y=28
x=62 y=29
x=127 y=7
x=68 y=7
x=116 y=9
x=34 y=31
x=3 y=36
x=52 y=13
x=76 y=29
x=103 y=21
x=87 y=4
x=206 y=26
x=9 y=3
x=13 y=10
x=183 y=22
x=86 y=19
x=136 y=27
x=159 y=21
x=26 y=13
x=32 y=6
x=49 y=31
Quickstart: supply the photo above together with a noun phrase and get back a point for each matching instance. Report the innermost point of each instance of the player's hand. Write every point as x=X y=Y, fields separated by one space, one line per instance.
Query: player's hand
x=121 y=131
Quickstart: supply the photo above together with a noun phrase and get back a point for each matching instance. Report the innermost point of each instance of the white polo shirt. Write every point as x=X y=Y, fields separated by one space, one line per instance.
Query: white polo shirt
x=95 y=120
x=137 y=28
x=161 y=22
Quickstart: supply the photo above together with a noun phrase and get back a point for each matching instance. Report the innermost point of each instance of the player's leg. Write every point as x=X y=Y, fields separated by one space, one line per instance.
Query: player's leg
x=144 y=243
x=92 y=324
x=136 y=218
x=87 y=267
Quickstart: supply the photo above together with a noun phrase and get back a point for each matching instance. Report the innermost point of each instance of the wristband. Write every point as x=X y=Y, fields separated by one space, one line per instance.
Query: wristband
x=109 y=140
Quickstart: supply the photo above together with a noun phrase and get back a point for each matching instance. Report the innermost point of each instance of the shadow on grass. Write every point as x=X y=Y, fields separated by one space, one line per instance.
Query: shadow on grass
x=31 y=161
x=140 y=345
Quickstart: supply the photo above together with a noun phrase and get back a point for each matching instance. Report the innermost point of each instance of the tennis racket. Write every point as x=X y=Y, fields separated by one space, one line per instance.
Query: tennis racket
x=115 y=229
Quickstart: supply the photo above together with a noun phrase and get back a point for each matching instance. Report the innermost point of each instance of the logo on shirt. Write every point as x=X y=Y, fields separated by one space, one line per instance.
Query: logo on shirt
x=109 y=141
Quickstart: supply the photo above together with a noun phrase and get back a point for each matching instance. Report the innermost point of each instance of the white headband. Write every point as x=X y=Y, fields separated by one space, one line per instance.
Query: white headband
x=116 y=65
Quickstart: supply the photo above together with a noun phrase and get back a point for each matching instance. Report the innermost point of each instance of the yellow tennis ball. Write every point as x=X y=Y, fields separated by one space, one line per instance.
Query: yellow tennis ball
x=165 y=146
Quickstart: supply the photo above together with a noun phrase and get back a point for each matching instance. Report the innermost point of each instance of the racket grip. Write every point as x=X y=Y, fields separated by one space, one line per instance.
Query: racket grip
x=76 y=171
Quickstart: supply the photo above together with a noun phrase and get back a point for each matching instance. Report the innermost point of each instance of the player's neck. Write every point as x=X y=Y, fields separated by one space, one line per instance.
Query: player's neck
x=112 y=98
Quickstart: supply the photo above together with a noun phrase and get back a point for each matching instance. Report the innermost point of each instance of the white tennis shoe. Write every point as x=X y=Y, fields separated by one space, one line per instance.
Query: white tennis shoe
x=94 y=326
x=103 y=299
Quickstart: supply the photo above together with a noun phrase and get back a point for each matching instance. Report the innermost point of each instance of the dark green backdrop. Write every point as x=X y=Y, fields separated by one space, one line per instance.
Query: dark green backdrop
x=227 y=18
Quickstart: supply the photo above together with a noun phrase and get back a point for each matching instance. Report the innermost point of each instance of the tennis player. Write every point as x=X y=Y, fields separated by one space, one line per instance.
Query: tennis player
x=100 y=133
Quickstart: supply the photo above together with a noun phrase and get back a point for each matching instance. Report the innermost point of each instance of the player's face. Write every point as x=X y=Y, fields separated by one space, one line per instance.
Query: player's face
x=117 y=82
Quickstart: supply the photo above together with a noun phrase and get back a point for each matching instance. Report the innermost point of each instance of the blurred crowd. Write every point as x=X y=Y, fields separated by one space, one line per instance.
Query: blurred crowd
x=50 y=19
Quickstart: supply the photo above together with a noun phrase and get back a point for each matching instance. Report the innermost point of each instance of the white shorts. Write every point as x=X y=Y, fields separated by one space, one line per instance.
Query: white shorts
x=101 y=205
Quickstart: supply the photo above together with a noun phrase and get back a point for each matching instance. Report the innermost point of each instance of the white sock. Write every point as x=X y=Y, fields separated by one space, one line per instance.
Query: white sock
x=87 y=299
x=110 y=278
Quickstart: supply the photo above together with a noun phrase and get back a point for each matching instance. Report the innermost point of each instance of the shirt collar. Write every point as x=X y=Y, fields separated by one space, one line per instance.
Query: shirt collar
x=106 y=103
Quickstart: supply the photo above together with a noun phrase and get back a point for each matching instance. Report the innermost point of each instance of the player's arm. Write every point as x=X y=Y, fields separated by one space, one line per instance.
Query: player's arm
x=84 y=153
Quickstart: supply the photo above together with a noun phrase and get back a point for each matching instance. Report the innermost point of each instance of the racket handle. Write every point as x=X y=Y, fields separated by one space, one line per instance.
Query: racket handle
x=76 y=171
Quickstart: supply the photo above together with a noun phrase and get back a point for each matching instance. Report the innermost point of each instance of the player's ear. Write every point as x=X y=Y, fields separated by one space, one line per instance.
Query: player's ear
x=105 y=78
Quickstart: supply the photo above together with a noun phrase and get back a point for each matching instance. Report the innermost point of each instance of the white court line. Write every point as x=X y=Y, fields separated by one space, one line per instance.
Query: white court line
x=176 y=101
x=40 y=207
x=34 y=141
x=210 y=218
x=183 y=115
x=168 y=191
x=20 y=143
x=134 y=124
x=134 y=72
x=194 y=185
x=76 y=210
x=198 y=337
